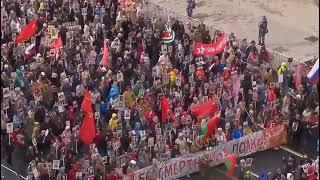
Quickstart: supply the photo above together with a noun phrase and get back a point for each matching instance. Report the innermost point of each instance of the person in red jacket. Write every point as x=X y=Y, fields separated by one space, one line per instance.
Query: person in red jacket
x=72 y=172
x=17 y=137
x=71 y=115
x=150 y=115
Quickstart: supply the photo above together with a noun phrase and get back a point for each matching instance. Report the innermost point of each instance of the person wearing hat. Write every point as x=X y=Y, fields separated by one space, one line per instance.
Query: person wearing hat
x=220 y=136
x=282 y=69
x=129 y=97
x=182 y=143
x=237 y=132
x=283 y=73
x=113 y=122
x=251 y=49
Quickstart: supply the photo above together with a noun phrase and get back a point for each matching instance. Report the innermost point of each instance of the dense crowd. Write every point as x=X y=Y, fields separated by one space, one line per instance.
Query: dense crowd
x=42 y=93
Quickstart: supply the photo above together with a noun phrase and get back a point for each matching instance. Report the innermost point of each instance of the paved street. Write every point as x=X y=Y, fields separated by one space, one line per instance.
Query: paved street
x=268 y=160
x=242 y=17
x=19 y=165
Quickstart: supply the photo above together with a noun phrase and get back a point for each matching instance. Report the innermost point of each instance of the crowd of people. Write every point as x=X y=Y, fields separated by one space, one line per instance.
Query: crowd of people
x=42 y=91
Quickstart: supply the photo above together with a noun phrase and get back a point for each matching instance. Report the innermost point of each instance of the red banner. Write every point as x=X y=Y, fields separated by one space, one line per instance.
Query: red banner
x=210 y=49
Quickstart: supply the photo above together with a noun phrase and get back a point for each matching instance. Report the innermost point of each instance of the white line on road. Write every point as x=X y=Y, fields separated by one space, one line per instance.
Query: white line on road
x=293 y=152
x=12 y=171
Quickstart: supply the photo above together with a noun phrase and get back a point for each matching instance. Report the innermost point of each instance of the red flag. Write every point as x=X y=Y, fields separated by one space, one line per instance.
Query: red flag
x=87 y=131
x=104 y=61
x=210 y=49
x=27 y=32
x=204 y=109
x=57 y=44
x=230 y=163
x=211 y=127
x=86 y=102
x=164 y=108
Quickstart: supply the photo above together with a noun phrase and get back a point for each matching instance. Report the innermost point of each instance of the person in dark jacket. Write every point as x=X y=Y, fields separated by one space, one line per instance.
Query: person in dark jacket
x=263 y=30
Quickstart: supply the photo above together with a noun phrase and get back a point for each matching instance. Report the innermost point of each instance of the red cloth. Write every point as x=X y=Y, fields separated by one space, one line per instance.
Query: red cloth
x=212 y=125
x=270 y=124
x=87 y=131
x=164 y=108
x=210 y=49
x=57 y=44
x=225 y=75
x=14 y=137
x=232 y=160
x=313 y=177
x=27 y=32
x=104 y=61
x=112 y=177
x=87 y=103
x=271 y=95
x=149 y=115
x=71 y=115
x=203 y=109
x=314 y=120
x=72 y=174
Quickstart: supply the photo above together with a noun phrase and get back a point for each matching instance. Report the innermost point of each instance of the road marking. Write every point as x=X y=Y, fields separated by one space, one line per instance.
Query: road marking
x=294 y=152
x=254 y=174
x=12 y=171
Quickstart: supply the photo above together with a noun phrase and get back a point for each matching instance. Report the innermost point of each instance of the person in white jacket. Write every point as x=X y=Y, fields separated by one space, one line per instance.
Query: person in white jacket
x=164 y=61
x=220 y=136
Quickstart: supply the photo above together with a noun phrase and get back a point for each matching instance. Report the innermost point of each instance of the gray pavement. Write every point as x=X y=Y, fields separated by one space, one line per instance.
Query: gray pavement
x=268 y=160
x=289 y=33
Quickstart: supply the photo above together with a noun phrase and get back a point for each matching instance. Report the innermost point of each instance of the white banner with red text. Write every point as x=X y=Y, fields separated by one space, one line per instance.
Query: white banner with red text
x=187 y=164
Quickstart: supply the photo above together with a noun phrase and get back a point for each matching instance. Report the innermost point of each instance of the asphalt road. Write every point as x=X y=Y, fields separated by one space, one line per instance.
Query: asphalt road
x=268 y=160
x=18 y=166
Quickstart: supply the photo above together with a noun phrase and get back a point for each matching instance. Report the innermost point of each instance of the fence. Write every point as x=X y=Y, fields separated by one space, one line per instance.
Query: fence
x=152 y=9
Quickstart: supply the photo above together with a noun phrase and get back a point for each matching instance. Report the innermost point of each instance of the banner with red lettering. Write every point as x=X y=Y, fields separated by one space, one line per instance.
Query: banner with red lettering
x=210 y=49
x=184 y=165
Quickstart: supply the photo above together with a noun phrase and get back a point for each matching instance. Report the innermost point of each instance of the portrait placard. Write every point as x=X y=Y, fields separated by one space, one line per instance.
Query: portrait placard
x=9 y=128
x=164 y=49
x=151 y=142
x=56 y=164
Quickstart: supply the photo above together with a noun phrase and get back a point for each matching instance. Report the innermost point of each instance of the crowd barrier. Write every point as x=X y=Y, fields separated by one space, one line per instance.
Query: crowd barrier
x=152 y=9
x=187 y=164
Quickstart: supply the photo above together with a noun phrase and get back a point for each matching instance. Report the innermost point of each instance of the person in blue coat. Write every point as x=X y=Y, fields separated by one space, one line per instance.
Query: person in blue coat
x=237 y=132
x=114 y=92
